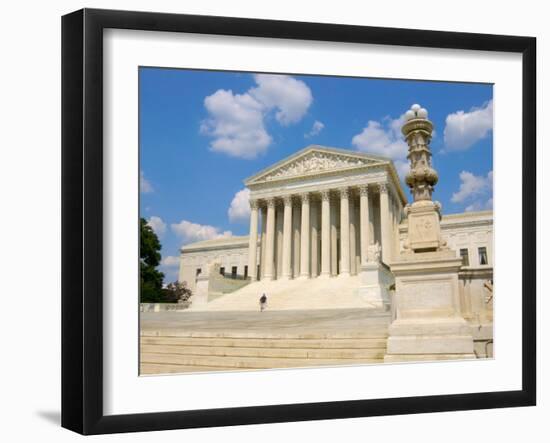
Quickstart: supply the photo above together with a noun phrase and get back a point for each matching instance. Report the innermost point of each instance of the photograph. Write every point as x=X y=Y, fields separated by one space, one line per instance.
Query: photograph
x=293 y=220
x=274 y=222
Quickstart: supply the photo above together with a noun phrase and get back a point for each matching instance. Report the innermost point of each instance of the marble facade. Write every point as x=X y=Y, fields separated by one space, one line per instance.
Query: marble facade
x=469 y=232
x=319 y=182
x=301 y=203
x=320 y=209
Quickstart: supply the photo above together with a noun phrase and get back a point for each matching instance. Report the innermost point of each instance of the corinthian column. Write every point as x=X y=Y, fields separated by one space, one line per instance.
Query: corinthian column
x=287 y=237
x=253 y=241
x=385 y=223
x=364 y=222
x=263 y=235
x=325 y=233
x=304 y=235
x=352 y=237
x=344 y=231
x=334 y=238
x=270 y=239
x=314 y=208
x=296 y=223
x=278 y=271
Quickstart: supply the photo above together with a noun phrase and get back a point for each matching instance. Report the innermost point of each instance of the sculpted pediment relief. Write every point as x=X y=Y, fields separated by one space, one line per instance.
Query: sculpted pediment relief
x=314 y=162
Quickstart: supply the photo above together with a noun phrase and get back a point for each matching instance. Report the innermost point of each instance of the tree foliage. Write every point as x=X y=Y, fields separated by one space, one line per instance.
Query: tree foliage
x=149 y=258
x=177 y=292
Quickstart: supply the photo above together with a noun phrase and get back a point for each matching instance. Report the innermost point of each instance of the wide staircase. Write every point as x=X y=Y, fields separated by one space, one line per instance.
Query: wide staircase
x=218 y=352
x=318 y=293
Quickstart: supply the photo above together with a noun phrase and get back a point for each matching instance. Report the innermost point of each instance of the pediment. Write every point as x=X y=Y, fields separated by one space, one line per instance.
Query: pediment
x=314 y=161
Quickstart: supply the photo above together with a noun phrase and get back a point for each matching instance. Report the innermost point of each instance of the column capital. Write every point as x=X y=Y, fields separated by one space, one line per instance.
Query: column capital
x=344 y=192
x=287 y=199
x=270 y=202
x=304 y=197
x=325 y=195
x=254 y=203
x=383 y=188
x=364 y=190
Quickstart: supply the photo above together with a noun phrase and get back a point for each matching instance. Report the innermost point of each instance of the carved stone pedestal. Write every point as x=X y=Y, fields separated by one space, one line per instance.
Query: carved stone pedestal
x=376 y=279
x=428 y=323
x=424 y=230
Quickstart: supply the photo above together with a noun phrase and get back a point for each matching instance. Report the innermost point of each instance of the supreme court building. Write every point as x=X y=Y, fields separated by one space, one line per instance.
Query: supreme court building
x=320 y=212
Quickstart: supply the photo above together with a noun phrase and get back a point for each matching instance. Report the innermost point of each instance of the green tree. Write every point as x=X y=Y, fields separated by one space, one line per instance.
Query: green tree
x=149 y=258
x=177 y=292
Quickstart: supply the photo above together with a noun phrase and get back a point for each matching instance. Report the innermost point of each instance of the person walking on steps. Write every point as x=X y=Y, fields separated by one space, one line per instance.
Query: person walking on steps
x=263 y=302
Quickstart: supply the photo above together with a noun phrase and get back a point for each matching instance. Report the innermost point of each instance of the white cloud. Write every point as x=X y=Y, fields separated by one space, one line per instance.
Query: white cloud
x=290 y=97
x=385 y=139
x=315 y=129
x=157 y=224
x=192 y=232
x=402 y=167
x=236 y=122
x=475 y=189
x=169 y=265
x=463 y=129
x=170 y=261
x=145 y=185
x=240 y=207
x=480 y=205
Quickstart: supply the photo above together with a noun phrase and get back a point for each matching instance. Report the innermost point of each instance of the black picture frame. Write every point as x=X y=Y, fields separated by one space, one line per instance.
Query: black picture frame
x=82 y=218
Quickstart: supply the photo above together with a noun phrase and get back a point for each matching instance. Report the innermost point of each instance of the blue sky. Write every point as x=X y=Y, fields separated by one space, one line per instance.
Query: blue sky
x=203 y=132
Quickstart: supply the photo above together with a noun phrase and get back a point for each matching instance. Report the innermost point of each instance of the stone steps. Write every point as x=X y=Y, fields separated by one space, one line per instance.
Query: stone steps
x=248 y=362
x=282 y=305
x=311 y=343
x=314 y=293
x=224 y=351
x=159 y=368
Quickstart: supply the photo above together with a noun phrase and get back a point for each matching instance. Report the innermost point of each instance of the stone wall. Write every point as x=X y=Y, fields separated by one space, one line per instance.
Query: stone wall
x=218 y=284
x=232 y=254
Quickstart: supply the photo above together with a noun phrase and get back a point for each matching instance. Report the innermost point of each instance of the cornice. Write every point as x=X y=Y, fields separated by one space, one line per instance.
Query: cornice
x=200 y=249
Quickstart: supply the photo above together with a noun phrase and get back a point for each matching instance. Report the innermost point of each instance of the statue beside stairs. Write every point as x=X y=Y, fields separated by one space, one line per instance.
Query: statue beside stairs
x=376 y=279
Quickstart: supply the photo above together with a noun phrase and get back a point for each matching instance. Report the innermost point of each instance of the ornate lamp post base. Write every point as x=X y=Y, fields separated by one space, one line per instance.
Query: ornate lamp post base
x=428 y=323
